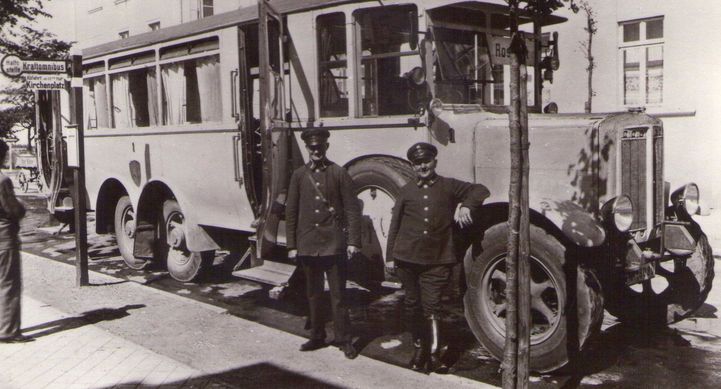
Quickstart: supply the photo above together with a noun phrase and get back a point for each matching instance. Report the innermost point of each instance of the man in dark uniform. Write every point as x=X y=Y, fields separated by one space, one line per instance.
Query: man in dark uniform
x=323 y=226
x=421 y=242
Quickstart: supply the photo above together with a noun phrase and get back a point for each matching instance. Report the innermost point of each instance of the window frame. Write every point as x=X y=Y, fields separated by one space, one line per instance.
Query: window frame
x=643 y=44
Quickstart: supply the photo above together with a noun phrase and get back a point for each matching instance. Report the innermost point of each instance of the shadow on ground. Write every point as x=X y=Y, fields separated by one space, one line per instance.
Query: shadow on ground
x=86 y=318
x=260 y=375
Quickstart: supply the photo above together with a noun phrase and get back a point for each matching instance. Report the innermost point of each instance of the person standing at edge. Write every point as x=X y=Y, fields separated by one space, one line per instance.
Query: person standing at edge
x=11 y=211
x=323 y=227
x=420 y=241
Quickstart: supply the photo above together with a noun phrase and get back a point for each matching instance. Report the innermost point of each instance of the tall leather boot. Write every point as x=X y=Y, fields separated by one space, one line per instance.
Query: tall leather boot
x=436 y=363
x=421 y=351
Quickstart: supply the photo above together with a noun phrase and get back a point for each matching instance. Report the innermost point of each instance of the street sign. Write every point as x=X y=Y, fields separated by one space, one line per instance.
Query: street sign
x=45 y=81
x=14 y=66
x=11 y=66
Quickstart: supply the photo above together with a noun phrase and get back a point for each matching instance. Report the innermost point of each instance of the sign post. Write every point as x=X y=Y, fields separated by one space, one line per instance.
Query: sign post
x=78 y=189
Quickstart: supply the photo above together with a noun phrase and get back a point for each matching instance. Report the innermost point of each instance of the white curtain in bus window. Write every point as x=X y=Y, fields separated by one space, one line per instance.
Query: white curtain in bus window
x=654 y=74
x=208 y=72
x=173 y=77
x=96 y=103
x=631 y=76
x=122 y=105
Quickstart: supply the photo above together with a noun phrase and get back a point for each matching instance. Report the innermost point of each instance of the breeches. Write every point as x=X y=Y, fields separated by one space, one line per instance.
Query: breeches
x=423 y=285
x=335 y=269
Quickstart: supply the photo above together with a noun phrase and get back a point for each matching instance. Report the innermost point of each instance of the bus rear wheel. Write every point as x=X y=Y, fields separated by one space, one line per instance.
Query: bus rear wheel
x=378 y=182
x=124 y=222
x=553 y=316
x=183 y=265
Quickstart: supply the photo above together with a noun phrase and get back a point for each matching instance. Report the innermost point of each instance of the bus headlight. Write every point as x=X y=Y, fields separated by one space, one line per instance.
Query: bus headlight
x=686 y=198
x=436 y=107
x=619 y=213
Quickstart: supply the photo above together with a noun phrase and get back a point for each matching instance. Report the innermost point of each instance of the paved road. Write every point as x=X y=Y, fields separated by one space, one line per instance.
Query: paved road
x=686 y=354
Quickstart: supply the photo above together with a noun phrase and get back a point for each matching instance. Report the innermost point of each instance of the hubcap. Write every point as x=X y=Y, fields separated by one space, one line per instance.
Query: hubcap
x=545 y=300
x=176 y=238
x=128 y=222
x=378 y=205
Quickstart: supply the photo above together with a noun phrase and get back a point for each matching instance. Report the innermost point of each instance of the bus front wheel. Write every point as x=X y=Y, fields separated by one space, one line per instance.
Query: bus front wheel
x=561 y=323
x=183 y=265
x=125 y=233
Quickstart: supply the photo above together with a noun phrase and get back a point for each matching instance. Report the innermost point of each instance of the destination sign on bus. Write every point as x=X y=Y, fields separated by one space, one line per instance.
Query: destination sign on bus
x=500 y=50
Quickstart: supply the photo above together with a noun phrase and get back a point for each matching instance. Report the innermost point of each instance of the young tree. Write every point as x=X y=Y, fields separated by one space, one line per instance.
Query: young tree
x=591 y=29
x=516 y=353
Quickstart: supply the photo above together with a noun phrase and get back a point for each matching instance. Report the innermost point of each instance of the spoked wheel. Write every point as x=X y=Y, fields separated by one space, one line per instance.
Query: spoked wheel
x=125 y=233
x=679 y=288
x=183 y=265
x=552 y=311
x=23 y=181
x=378 y=183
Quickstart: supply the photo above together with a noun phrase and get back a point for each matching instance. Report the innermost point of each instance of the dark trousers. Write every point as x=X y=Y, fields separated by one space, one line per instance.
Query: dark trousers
x=335 y=268
x=10 y=288
x=423 y=285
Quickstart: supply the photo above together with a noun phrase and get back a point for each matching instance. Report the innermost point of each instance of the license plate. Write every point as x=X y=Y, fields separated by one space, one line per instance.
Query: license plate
x=645 y=272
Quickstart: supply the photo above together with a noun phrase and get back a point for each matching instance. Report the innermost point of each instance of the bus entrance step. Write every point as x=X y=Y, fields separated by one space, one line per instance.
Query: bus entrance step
x=272 y=273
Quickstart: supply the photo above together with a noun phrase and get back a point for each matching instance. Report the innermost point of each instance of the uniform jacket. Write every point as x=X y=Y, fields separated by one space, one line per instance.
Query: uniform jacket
x=11 y=211
x=422 y=228
x=311 y=229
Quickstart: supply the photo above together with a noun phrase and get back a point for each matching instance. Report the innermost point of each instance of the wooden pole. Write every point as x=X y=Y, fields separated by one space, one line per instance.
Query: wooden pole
x=79 y=197
x=510 y=352
x=524 y=270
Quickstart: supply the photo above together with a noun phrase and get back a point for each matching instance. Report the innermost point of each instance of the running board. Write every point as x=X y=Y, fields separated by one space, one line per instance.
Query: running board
x=271 y=273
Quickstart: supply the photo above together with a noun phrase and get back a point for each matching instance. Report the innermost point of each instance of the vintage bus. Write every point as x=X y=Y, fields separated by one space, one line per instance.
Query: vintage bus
x=192 y=131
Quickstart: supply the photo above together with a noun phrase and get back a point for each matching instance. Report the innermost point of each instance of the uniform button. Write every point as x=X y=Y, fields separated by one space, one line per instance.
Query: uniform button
x=317 y=170
x=425 y=208
x=317 y=184
x=317 y=197
x=316 y=224
x=425 y=232
x=425 y=196
x=425 y=220
x=425 y=186
x=317 y=210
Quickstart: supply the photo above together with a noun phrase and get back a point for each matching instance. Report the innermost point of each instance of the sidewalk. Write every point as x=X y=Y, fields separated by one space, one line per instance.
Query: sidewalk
x=67 y=353
x=121 y=334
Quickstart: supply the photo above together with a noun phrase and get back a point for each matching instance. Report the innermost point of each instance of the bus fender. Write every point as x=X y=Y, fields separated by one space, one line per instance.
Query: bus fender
x=197 y=239
x=577 y=224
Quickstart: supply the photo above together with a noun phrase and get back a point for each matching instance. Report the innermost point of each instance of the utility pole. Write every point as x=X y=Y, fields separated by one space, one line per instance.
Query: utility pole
x=78 y=188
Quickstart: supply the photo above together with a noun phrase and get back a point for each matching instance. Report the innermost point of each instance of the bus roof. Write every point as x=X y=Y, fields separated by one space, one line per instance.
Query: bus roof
x=241 y=15
x=226 y=19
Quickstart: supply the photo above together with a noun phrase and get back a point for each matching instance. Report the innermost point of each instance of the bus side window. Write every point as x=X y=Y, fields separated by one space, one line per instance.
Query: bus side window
x=191 y=91
x=133 y=96
x=332 y=65
x=96 y=102
x=387 y=60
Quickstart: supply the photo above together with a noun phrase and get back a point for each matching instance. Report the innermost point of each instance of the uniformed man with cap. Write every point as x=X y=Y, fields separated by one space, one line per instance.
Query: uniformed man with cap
x=421 y=243
x=323 y=231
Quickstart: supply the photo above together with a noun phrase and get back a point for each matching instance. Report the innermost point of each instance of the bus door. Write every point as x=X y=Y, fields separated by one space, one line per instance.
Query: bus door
x=275 y=131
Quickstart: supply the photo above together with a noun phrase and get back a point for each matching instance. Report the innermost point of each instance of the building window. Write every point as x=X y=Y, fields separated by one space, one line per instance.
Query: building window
x=124 y=34
x=332 y=65
x=205 y=8
x=154 y=26
x=641 y=54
